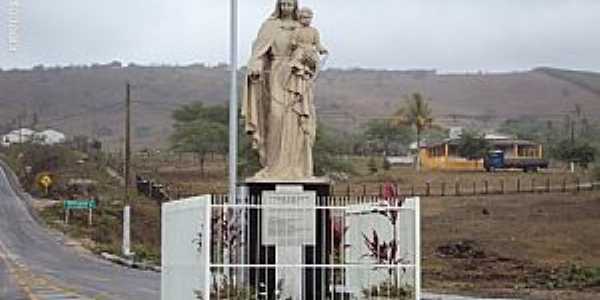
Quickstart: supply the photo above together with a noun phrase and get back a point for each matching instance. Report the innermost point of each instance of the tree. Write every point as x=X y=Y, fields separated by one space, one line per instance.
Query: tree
x=248 y=158
x=580 y=152
x=197 y=110
x=329 y=146
x=384 y=134
x=416 y=112
x=472 y=145
x=200 y=130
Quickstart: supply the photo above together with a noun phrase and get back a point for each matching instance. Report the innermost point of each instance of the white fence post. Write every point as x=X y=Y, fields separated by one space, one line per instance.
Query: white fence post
x=206 y=247
x=417 y=202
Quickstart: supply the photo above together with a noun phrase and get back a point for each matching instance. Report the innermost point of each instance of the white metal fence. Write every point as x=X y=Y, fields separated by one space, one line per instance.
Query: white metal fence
x=290 y=248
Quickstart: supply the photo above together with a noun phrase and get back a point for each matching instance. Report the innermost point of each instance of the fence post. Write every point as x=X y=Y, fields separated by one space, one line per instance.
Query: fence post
x=428 y=189
x=418 y=248
x=443 y=189
x=457 y=188
x=578 y=184
x=364 y=189
x=501 y=186
x=533 y=185
x=547 y=185
x=564 y=185
x=412 y=190
x=518 y=185
x=348 y=190
x=380 y=190
x=486 y=187
x=474 y=188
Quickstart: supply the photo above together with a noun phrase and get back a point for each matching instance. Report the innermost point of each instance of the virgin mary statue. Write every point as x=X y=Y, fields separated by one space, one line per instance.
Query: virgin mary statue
x=278 y=105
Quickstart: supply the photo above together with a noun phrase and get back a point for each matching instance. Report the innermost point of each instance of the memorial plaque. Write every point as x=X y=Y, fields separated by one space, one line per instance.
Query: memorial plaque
x=289 y=217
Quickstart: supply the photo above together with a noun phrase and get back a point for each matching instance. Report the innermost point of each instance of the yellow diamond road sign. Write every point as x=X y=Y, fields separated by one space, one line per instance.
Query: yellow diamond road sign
x=46 y=181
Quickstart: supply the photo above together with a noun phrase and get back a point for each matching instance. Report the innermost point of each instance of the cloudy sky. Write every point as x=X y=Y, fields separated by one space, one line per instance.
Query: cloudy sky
x=447 y=35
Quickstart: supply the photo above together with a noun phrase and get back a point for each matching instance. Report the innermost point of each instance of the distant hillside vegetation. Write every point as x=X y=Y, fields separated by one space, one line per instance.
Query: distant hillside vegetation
x=90 y=100
x=586 y=80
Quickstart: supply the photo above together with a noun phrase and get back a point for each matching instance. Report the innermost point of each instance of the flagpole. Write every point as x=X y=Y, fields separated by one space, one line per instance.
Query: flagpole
x=233 y=102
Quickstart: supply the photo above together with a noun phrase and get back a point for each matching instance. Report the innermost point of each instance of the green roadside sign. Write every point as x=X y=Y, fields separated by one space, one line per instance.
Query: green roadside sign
x=79 y=204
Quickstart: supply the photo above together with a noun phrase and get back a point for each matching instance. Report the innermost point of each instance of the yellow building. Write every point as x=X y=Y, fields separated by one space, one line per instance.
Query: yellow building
x=444 y=155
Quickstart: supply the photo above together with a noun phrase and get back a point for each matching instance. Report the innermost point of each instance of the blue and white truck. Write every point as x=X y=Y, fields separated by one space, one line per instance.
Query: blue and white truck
x=495 y=160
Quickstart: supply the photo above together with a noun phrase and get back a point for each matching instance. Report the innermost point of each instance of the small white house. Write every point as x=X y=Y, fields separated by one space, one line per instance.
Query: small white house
x=24 y=135
x=17 y=136
x=50 y=137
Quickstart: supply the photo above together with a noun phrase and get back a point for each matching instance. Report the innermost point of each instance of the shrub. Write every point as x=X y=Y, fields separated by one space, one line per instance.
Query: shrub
x=389 y=290
x=372 y=165
x=596 y=172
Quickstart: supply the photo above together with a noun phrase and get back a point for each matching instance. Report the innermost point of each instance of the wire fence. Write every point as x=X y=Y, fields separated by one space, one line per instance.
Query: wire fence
x=474 y=188
x=336 y=248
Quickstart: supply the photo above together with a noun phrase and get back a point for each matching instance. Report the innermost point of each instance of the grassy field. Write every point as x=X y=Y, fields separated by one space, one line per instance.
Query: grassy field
x=183 y=177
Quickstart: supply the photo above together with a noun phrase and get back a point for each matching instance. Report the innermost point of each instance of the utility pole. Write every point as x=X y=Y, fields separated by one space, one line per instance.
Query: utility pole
x=22 y=118
x=572 y=132
x=127 y=209
x=572 y=144
x=19 y=128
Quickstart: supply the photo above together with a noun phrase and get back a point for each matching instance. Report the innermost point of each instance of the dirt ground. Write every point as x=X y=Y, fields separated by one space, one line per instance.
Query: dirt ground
x=530 y=246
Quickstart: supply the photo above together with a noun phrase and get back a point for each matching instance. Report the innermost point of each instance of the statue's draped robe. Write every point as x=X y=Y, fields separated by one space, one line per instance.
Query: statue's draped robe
x=280 y=120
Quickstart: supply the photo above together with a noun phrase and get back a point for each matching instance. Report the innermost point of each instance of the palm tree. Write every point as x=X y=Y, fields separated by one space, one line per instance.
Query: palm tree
x=416 y=112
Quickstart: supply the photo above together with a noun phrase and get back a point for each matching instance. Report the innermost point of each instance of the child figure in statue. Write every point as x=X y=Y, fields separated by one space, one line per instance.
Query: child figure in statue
x=307 y=46
x=304 y=65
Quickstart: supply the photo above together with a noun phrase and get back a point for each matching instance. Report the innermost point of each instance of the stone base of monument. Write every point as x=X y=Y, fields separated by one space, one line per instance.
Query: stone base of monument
x=286 y=233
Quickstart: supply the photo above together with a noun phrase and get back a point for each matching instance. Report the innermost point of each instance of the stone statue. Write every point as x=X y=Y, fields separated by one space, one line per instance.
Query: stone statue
x=278 y=100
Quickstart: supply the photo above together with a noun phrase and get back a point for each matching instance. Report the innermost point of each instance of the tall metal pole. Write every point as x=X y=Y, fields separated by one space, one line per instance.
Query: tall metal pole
x=127 y=139
x=233 y=107
x=127 y=210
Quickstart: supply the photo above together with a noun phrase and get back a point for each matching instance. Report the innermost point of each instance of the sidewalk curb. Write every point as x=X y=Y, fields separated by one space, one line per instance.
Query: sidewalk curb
x=129 y=262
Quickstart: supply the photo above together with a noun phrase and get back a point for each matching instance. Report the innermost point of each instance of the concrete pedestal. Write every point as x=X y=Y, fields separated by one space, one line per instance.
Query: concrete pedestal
x=276 y=236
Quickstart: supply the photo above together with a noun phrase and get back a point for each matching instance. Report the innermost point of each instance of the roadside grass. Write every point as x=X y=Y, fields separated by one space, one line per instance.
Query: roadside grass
x=105 y=233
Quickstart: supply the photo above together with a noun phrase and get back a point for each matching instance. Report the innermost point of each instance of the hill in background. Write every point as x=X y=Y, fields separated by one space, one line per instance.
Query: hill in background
x=90 y=100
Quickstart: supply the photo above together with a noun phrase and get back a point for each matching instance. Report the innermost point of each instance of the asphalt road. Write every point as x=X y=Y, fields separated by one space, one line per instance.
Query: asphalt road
x=31 y=254
x=8 y=286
